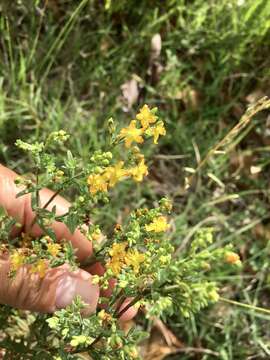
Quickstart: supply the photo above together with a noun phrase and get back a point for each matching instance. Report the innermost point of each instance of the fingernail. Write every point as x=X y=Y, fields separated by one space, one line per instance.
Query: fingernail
x=72 y=285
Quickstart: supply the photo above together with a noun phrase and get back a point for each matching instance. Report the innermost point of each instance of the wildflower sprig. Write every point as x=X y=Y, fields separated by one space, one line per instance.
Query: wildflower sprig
x=137 y=255
x=145 y=124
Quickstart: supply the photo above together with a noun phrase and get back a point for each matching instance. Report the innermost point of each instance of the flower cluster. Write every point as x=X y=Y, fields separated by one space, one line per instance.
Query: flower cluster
x=103 y=177
x=138 y=256
x=17 y=259
x=146 y=117
x=158 y=225
x=121 y=258
x=43 y=254
x=111 y=175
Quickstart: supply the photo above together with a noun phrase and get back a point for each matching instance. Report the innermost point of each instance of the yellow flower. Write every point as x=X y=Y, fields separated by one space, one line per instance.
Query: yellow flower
x=131 y=134
x=115 y=265
x=53 y=249
x=146 y=117
x=159 y=224
x=26 y=241
x=115 y=173
x=157 y=131
x=39 y=267
x=213 y=295
x=16 y=260
x=139 y=171
x=117 y=253
x=134 y=259
x=232 y=258
x=104 y=316
x=118 y=250
x=97 y=183
x=97 y=236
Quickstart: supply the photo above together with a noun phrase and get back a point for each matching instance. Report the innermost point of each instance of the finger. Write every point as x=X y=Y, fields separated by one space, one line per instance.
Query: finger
x=56 y=290
x=129 y=313
x=20 y=208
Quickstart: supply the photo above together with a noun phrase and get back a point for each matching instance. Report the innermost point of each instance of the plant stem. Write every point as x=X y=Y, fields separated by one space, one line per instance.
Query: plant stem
x=246 y=306
x=54 y=196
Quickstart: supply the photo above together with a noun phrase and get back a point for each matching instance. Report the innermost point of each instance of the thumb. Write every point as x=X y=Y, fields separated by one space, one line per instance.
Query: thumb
x=57 y=289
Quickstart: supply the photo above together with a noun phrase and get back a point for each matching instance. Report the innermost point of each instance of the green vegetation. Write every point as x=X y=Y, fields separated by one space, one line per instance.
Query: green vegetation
x=62 y=67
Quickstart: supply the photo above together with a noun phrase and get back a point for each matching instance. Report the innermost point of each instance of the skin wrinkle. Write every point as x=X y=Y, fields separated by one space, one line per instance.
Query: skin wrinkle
x=28 y=289
x=17 y=286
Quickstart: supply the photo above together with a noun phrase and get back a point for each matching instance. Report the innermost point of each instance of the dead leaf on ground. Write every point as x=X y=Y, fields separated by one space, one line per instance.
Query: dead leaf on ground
x=155 y=68
x=168 y=335
x=156 y=46
x=130 y=91
x=162 y=341
x=244 y=163
x=254 y=96
x=261 y=231
x=156 y=348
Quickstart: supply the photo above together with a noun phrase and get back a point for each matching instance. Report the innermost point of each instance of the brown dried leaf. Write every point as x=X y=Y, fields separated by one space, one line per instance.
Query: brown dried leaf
x=130 y=93
x=168 y=335
x=156 y=46
x=155 y=68
x=255 y=96
x=261 y=231
x=161 y=343
x=156 y=348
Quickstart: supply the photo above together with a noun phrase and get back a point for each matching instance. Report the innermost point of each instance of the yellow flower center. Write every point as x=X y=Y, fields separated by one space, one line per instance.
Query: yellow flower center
x=146 y=117
x=97 y=183
x=157 y=131
x=53 y=249
x=159 y=224
x=134 y=259
x=115 y=173
x=131 y=134
x=17 y=259
x=139 y=171
x=40 y=268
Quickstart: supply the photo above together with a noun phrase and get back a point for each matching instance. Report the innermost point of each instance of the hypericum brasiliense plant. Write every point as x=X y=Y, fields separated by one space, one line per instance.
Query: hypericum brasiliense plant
x=137 y=253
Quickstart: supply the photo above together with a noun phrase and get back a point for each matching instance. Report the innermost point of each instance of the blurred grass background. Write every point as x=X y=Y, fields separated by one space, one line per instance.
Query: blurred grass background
x=73 y=64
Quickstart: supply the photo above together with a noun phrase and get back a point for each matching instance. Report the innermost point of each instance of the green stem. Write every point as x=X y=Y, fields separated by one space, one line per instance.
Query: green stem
x=55 y=195
x=246 y=306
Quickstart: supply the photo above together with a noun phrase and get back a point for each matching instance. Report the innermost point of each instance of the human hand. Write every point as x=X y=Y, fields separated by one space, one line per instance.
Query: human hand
x=60 y=285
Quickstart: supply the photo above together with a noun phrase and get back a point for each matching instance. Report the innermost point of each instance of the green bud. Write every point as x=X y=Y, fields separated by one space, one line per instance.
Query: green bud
x=108 y=155
x=106 y=162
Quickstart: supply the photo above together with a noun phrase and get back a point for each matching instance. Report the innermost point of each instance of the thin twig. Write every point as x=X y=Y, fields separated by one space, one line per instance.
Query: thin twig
x=171 y=157
x=197 y=351
x=262 y=104
x=54 y=196
x=246 y=306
